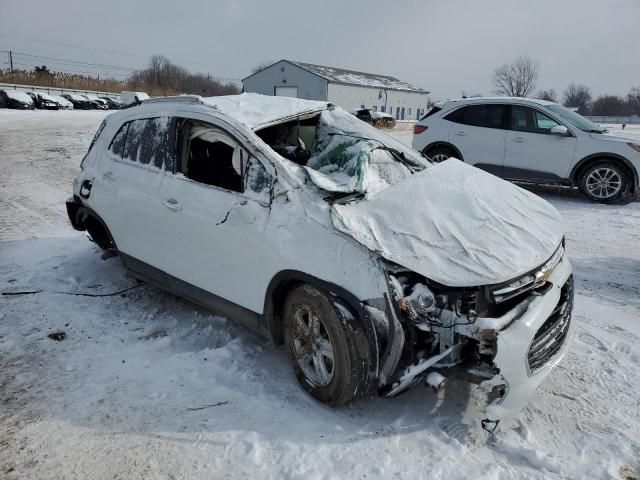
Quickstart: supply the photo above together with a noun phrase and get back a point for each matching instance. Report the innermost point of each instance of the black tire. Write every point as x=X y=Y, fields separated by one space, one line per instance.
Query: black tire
x=99 y=233
x=349 y=367
x=604 y=181
x=439 y=154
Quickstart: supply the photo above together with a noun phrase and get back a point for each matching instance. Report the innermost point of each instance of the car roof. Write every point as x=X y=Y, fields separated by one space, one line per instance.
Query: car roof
x=251 y=109
x=479 y=100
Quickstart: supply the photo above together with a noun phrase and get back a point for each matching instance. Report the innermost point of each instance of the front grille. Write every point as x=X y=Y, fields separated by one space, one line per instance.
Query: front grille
x=552 y=334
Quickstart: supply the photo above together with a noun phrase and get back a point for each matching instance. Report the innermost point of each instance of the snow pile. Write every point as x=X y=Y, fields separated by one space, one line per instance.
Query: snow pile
x=380 y=115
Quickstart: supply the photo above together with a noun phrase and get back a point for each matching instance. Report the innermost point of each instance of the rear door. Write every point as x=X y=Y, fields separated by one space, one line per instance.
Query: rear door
x=532 y=153
x=128 y=186
x=216 y=208
x=479 y=134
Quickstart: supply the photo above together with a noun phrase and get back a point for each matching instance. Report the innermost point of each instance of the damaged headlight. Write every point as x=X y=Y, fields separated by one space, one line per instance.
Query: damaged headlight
x=420 y=303
x=423 y=301
x=530 y=281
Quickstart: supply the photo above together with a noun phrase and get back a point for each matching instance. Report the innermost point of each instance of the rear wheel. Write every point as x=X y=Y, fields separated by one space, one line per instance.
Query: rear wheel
x=439 y=154
x=329 y=355
x=604 y=181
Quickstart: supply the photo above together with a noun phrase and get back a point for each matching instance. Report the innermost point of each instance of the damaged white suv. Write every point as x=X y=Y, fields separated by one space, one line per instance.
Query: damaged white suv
x=375 y=268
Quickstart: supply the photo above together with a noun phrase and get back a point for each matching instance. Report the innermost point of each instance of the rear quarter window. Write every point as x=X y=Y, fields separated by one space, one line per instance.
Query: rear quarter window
x=147 y=141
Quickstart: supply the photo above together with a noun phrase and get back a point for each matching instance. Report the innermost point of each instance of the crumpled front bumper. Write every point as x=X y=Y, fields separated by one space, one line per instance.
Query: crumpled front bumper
x=515 y=377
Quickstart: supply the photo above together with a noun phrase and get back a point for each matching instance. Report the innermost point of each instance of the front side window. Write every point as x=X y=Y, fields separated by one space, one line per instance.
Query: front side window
x=212 y=157
x=525 y=119
x=486 y=116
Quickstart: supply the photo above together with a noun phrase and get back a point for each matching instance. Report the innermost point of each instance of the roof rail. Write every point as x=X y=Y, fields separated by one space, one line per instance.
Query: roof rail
x=175 y=99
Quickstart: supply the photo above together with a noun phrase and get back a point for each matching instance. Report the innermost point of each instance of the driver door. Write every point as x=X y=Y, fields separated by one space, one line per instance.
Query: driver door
x=216 y=210
x=532 y=152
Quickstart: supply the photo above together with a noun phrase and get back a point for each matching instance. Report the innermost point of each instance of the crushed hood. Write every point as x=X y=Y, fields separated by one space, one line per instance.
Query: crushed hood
x=456 y=225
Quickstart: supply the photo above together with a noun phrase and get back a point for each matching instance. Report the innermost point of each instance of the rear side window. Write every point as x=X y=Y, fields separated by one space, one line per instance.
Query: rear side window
x=147 y=141
x=487 y=116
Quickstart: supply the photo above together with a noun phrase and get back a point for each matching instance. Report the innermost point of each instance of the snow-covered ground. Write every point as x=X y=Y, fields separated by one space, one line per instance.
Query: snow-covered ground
x=146 y=385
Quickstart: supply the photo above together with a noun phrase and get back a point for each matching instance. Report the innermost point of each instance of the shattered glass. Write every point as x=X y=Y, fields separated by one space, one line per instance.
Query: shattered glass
x=351 y=156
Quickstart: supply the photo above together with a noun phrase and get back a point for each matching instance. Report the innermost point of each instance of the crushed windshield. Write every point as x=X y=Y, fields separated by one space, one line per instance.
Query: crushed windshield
x=575 y=119
x=342 y=154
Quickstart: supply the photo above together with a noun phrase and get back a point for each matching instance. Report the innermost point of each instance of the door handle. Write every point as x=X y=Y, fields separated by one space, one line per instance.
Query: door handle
x=108 y=176
x=172 y=204
x=461 y=133
x=518 y=139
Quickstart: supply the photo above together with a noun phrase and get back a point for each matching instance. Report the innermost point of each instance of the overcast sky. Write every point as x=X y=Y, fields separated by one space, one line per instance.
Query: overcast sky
x=446 y=47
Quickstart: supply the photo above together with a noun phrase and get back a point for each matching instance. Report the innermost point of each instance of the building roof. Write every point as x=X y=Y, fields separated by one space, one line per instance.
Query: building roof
x=353 y=77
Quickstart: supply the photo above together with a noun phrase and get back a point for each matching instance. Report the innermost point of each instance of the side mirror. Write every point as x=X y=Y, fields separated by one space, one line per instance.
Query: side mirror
x=560 y=130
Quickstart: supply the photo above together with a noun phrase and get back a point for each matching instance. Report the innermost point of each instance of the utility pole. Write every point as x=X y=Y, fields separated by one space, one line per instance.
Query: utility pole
x=11 y=60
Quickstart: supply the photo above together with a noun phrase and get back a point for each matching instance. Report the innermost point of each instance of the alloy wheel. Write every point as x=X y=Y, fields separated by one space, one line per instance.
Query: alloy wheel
x=603 y=183
x=312 y=346
x=439 y=157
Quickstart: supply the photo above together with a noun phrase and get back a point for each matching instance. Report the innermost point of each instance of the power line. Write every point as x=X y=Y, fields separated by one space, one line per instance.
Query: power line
x=112 y=52
x=70 y=64
x=77 y=62
x=65 y=62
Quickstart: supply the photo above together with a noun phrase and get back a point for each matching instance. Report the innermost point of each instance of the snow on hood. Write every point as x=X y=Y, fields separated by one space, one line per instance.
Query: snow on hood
x=255 y=110
x=19 y=95
x=614 y=138
x=456 y=225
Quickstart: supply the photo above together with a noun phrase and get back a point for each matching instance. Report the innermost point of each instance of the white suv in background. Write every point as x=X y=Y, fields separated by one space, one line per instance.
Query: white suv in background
x=528 y=140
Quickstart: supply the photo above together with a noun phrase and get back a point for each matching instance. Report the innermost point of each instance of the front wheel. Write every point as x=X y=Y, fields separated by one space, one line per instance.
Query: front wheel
x=328 y=352
x=604 y=182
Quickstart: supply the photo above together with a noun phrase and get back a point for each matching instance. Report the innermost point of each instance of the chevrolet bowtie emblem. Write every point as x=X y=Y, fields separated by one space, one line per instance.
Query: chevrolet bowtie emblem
x=542 y=275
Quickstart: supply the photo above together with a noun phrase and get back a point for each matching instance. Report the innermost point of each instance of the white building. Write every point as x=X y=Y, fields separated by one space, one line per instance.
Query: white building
x=347 y=88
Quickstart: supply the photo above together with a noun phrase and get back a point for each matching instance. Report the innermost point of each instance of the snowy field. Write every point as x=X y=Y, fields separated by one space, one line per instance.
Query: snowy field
x=148 y=386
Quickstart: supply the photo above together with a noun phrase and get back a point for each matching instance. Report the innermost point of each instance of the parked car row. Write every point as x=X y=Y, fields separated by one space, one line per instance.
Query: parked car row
x=28 y=100
x=377 y=269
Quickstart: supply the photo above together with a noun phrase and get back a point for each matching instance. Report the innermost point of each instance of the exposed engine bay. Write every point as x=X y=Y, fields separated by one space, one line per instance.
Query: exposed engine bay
x=454 y=332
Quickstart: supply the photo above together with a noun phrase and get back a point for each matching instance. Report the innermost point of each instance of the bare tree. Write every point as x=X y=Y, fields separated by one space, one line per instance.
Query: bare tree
x=517 y=79
x=633 y=101
x=577 y=96
x=609 y=105
x=549 y=95
x=166 y=78
x=262 y=65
